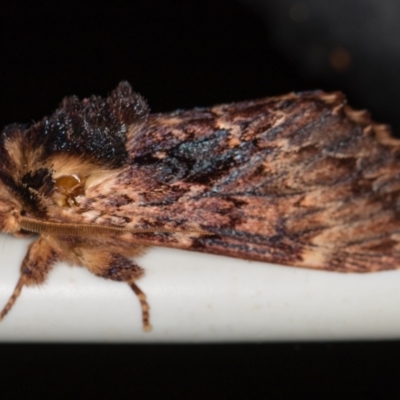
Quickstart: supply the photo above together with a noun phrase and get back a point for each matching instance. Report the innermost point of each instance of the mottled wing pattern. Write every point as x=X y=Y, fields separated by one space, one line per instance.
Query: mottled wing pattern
x=299 y=180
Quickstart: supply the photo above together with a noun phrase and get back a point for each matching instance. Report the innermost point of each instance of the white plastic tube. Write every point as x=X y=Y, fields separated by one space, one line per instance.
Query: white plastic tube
x=199 y=298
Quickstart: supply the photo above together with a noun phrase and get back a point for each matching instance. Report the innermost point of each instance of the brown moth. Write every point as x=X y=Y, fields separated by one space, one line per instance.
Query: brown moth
x=300 y=180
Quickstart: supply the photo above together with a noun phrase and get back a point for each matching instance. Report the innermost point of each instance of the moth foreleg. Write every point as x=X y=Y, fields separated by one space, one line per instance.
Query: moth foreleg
x=35 y=267
x=117 y=267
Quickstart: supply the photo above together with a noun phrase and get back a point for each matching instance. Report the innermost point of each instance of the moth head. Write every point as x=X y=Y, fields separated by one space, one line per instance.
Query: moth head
x=23 y=181
x=9 y=211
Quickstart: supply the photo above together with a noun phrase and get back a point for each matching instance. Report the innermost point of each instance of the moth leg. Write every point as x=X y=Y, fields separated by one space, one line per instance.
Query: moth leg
x=35 y=267
x=118 y=268
x=144 y=305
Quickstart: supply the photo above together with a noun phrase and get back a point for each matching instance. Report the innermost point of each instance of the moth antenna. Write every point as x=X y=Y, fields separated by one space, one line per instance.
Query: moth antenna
x=144 y=305
x=13 y=298
x=70 y=229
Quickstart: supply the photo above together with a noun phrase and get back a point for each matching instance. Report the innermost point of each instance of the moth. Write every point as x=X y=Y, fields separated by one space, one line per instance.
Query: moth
x=300 y=180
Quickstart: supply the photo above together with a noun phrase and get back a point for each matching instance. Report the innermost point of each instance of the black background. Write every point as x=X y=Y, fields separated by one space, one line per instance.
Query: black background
x=181 y=54
x=257 y=371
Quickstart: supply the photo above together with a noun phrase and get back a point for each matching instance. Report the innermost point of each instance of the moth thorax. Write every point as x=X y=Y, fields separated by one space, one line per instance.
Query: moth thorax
x=67 y=188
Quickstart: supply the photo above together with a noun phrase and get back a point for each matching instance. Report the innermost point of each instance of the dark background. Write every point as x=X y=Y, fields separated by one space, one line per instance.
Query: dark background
x=181 y=54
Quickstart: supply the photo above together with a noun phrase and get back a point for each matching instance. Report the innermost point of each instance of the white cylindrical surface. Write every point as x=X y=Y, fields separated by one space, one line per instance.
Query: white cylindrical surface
x=199 y=298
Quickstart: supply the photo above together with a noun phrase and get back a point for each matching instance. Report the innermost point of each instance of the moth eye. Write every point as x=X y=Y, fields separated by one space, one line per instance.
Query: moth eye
x=67 y=188
x=67 y=182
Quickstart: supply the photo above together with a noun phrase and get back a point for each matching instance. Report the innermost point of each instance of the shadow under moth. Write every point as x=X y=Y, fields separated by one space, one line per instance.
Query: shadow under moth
x=300 y=180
